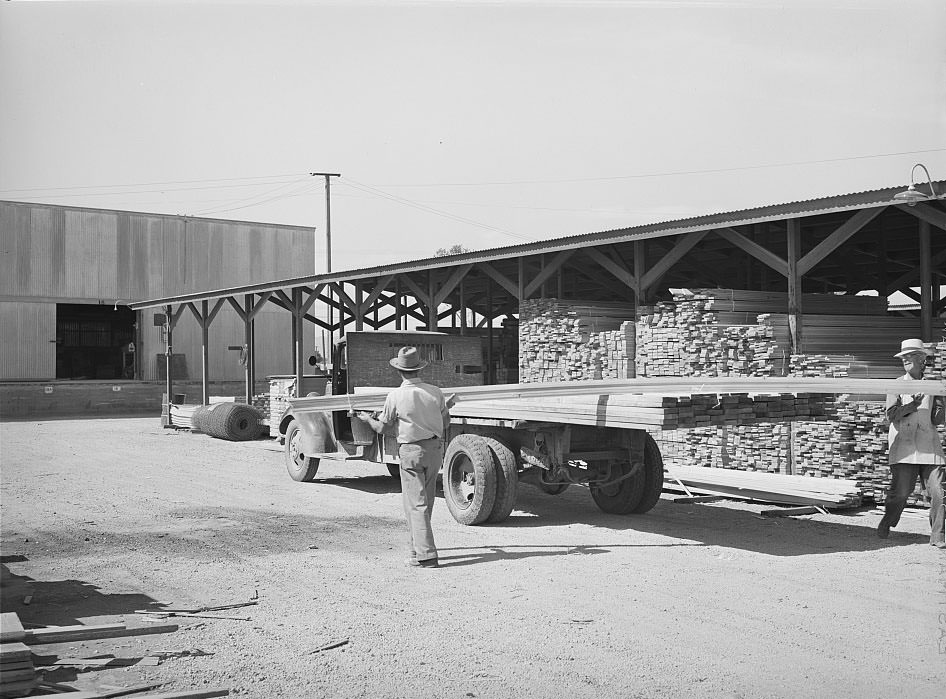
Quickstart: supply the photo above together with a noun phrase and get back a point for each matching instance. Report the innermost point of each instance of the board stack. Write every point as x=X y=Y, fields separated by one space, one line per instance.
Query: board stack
x=854 y=444
x=575 y=340
x=18 y=677
x=705 y=332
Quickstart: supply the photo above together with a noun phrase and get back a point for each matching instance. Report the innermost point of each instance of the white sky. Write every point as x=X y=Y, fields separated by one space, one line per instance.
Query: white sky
x=484 y=124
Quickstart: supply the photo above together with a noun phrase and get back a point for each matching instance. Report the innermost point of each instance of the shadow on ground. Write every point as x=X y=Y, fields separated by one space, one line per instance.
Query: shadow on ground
x=62 y=602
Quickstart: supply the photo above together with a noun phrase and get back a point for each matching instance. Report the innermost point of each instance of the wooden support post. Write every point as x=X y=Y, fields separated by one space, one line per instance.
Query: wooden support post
x=297 y=321
x=462 y=308
x=926 y=283
x=169 y=381
x=520 y=289
x=398 y=306
x=489 y=330
x=359 y=309
x=204 y=353
x=432 y=303
x=794 y=285
x=250 y=350
x=640 y=262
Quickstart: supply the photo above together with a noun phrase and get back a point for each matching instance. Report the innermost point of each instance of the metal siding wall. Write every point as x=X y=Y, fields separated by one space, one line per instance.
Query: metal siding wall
x=25 y=333
x=77 y=255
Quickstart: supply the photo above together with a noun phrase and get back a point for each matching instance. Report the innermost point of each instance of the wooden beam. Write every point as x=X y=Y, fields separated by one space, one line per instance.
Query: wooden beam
x=258 y=306
x=926 y=212
x=215 y=310
x=236 y=307
x=682 y=246
x=313 y=297
x=794 y=285
x=548 y=271
x=501 y=279
x=622 y=273
x=379 y=287
x=926 y=283
x=837 y=238
x=905 y=279
x=763 y=255
x=451 y=283
x=418 y=293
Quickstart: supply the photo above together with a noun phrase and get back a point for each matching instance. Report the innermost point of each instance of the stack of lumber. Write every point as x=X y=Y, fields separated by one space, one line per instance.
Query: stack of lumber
x=575 y=340
x=698 y=335
x=261 y=401
x=18 y=677
x=789 y=490
x=763 y=446
x=755 y=302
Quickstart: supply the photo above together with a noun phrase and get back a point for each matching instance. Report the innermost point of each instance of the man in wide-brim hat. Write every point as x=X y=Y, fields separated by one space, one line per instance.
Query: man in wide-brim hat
x=915 y=446
x=420 y=413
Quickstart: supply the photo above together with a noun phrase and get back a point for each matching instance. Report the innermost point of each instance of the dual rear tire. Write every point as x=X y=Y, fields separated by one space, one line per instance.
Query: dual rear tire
x=480 y=479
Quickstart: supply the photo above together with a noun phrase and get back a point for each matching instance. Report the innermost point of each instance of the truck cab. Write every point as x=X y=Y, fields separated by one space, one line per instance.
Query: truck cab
x=361 y=360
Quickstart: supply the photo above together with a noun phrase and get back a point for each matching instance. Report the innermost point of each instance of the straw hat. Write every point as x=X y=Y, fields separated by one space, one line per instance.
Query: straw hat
x=912 y=346
x=407 y=359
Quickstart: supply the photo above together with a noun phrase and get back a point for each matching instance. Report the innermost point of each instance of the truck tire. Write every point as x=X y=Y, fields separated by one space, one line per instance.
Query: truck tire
x=301 y=467
x=653 y=476
x=637 y=494
x=507 y=480
x=469 y=479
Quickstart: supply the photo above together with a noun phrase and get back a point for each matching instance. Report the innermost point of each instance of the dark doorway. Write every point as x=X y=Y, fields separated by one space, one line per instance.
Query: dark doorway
x=95 y=342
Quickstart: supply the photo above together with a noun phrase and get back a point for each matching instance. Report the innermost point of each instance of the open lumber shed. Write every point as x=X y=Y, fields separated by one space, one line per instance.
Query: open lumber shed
x=845 y=244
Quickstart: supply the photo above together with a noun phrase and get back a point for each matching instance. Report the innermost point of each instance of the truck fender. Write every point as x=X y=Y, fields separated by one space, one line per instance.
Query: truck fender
x=318 y=433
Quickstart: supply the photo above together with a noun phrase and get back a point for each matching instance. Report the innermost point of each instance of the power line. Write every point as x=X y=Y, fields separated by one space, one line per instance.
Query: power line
x=422 y=207
x=155 y=184
x=673 y=173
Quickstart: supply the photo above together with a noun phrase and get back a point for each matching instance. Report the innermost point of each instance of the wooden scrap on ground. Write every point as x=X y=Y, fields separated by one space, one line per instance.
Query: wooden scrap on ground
x=792 y=511
x=331 y=644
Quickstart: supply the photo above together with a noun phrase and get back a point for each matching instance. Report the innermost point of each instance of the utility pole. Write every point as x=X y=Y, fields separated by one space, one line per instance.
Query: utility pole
x=327 y=352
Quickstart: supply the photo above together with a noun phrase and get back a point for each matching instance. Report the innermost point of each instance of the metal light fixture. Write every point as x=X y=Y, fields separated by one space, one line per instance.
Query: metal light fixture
x=911 y=196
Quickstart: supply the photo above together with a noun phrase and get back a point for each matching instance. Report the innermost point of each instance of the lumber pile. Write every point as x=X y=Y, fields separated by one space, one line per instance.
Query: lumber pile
x=575 y=340
x=703 y=333
x=18 y=677
x=763 y=447
x=789 y=490
x=648 y=411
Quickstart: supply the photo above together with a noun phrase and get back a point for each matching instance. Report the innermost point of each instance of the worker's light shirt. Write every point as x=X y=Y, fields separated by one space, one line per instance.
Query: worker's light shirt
x=914 y=439
x=417 y=408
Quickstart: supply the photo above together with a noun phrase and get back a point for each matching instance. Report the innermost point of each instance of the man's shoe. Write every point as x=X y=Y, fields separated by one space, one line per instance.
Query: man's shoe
x=883 y=529
x=427 y=563
x=938 y=544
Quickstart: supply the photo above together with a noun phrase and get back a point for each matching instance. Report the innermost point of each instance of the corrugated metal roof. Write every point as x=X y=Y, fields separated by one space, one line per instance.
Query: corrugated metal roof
x=741 y=217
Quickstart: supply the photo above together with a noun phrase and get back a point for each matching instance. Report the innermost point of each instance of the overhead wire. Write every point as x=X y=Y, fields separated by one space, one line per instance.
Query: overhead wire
x=673 y=173
x=262 y=198
x=422 y=207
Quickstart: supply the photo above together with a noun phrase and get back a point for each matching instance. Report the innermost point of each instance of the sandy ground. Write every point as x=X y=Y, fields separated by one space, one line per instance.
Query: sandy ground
x=101 y=518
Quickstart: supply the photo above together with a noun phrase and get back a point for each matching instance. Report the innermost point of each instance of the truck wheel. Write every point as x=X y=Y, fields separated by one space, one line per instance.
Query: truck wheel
x=507 y=480
x=301 y=467
x=394 y=470
x=622 y=497
x=469 y=479
x=653 y=476
x=636 y=494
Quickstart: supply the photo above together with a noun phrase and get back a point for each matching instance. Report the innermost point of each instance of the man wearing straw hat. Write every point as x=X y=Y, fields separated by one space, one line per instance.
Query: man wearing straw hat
x=421 y=415
x=915 y=447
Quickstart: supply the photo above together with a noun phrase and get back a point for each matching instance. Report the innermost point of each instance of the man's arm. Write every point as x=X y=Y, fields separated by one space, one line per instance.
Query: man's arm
x=371 y=420
x=897 y=409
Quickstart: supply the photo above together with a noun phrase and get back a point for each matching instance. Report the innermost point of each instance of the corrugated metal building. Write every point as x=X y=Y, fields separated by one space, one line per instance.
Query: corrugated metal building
x=67 y=275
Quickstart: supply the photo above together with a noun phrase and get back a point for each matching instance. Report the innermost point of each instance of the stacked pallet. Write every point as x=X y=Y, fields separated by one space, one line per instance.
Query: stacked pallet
x=575 y=340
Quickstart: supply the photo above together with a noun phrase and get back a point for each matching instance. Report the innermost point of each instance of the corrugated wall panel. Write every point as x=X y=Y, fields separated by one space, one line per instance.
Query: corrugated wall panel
x=25 y=333
x=12 y=220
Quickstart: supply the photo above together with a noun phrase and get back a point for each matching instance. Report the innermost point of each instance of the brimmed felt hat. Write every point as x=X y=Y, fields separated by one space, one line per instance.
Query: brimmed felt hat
x=407 y=359
x=912 y=346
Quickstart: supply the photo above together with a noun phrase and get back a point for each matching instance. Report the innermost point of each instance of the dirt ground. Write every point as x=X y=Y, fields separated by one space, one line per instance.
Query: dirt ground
x=101 y=518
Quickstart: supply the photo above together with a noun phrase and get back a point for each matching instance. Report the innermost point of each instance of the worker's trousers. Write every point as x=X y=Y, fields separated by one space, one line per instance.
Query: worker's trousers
x=901 y=486
x=420 y=464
